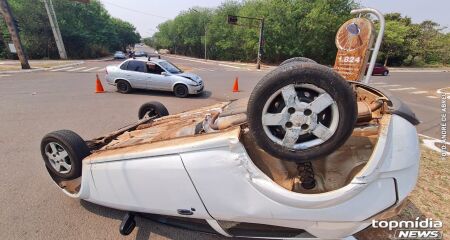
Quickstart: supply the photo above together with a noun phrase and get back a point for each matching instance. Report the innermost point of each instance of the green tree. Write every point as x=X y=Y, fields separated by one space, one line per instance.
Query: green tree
x=87 y=30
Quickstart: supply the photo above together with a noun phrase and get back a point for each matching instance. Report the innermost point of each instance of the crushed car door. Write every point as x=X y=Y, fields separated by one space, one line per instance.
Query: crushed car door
x=157 y=185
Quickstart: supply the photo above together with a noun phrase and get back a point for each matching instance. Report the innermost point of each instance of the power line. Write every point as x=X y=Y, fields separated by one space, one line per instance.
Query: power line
x=133 y=10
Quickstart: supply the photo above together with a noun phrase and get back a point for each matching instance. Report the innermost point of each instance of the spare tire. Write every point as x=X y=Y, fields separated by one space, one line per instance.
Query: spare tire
x=297 y=60
x=299 y=112
x=152 y=109
x=63 y=152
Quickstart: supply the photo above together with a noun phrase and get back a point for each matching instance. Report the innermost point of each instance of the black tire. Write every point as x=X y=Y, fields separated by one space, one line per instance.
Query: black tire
x=152 y=109
x=181 y=91
x=320 y=76
x=385 y=73
x=297 y=60
x=73 y=145
x=123 y=86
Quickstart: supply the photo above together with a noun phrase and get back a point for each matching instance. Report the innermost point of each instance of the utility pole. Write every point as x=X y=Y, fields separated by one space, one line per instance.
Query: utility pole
x=55 y=28
x=5 y=10
x=206 y=30
x=261 y=39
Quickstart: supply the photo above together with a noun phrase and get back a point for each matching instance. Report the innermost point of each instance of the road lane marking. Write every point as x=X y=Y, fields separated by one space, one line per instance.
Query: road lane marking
x=419 y=92
x=430 y=143
x=379 y=83
x=4 y=75
x=60 y=69
x=101 y=69
x=226 y=65
x=392 y=85
x=76 y=69
x=432 y=96
x=90 y=69
x=402 y=89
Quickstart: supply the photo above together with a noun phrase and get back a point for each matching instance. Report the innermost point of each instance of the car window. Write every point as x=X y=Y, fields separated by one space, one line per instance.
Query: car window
x=170 y=67
x=137 y=66
x=124 y=66
x=154 y=68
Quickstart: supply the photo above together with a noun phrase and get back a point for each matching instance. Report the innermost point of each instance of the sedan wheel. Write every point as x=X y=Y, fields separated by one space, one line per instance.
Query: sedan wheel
x=181 y=91
x=123 y=86
x=301 y=111
x=63 y=152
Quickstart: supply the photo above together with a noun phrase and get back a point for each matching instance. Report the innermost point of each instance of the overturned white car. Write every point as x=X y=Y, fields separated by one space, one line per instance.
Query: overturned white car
x=309 y=154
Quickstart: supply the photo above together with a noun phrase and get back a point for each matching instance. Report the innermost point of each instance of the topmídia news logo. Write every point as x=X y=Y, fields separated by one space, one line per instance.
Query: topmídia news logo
x=412 y=229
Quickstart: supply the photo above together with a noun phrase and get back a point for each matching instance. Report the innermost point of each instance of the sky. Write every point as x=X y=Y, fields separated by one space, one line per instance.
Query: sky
x=145 y=15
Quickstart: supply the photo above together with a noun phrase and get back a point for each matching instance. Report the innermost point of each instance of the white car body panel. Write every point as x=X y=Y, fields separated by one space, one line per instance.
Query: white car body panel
x=216 y=171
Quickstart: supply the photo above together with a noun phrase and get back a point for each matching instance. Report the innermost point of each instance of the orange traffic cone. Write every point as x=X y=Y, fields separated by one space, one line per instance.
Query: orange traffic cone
x=98 y=86
x=236 y=85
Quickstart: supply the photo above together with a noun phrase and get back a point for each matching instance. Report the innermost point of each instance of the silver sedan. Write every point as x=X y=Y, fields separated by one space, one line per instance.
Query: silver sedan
x=154 y=74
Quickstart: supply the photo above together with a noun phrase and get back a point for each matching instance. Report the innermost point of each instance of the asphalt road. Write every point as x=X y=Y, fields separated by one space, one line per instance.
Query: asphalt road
x=33 y=104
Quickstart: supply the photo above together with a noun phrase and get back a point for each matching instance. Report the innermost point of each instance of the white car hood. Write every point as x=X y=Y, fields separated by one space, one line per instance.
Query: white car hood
x=193 y=77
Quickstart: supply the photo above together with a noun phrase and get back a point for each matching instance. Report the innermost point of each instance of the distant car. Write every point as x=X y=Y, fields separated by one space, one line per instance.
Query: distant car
x=155 y=54
x=379 y=69
x=119 y=55
x=154 y=74
x=140 y=54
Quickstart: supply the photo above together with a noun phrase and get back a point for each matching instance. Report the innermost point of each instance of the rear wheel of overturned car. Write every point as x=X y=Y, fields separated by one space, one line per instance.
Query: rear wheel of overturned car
x=123 y=86
x=300 y=112
x=63 y=152
x=181 y=90
x=297 y=60
x=152 y=110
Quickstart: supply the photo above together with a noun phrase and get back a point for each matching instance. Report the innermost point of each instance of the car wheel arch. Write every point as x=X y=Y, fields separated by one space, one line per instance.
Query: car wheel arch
x=122 y=79
x=179 y=83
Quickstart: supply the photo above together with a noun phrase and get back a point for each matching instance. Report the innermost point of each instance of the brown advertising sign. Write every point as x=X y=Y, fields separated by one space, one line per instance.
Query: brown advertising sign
x=353 y=40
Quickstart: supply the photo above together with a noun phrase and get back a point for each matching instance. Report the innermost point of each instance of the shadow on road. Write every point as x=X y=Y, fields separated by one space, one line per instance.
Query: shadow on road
x=145 y=228
x=203 y=95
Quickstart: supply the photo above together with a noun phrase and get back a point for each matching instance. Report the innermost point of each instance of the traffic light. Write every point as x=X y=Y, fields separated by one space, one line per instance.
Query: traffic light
x=16 y=24
x=232 y=19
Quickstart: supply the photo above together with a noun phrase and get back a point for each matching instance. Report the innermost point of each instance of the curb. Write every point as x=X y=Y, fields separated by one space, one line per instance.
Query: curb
x=416 y=70
x=42 y=69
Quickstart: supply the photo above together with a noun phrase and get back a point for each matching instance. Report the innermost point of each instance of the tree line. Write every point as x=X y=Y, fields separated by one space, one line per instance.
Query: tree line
x=88 y=31
x=293 y=28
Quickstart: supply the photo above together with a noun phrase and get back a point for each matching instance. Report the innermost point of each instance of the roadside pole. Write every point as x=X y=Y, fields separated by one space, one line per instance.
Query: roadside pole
x=5 y=10
x=55 y=28
x=233 y=20
x=206 y=30
x=261 y=39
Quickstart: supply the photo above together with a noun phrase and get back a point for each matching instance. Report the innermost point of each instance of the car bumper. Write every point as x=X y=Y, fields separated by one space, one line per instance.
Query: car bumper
x=196 y=89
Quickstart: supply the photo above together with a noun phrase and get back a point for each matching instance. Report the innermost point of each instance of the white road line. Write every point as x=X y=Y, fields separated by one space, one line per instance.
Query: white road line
x=432 y=96
x=4 y=75
x=402 y=89
x=76 y=69
x=430 y=143
x=60 y=69
x=226 y=65
x=379 y=83
x=419 y=92
x=90 y=69
x=392 y=85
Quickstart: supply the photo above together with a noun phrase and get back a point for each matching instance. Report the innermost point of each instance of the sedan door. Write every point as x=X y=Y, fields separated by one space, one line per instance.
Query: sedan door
x=158 y=80
x=136 y=74
x=158 y=184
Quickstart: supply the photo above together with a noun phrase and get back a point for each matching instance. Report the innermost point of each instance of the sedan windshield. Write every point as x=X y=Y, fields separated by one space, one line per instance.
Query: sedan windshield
x=170 y=67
